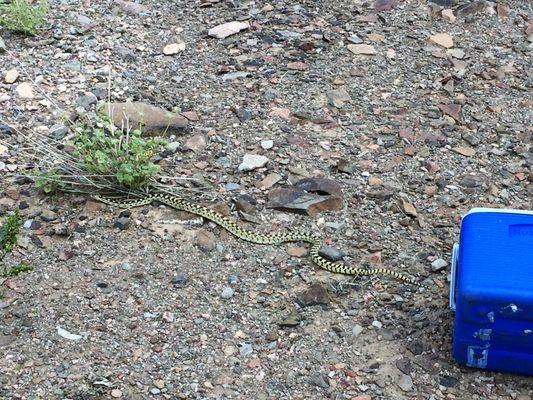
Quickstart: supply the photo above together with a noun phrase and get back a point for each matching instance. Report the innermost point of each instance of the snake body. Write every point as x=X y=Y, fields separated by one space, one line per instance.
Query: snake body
x=258 y=238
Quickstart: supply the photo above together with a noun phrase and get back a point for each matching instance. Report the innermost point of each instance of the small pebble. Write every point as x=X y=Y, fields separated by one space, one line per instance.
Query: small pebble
x=438 y=265
x=267 y=144
x=245 y=349
x=180 y=279
x=232 y=279
x=227 y=292
x=377 y=324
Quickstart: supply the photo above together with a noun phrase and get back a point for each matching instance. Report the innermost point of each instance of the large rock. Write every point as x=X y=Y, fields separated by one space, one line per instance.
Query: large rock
x=153 y=120
x=309 y=196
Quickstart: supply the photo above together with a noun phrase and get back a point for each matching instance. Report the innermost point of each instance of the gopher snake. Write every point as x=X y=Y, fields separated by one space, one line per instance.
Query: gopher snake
x=258 y=238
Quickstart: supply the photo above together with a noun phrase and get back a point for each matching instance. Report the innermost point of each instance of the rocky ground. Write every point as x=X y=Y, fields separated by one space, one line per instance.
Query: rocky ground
x=416 y=111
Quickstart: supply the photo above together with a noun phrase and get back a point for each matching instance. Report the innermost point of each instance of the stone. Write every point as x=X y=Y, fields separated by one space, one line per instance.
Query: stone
x=442 y=39
x=11 y=76
x=331 y=253
x=298 y=66
x=345 y=166
x=267 y=144
x=408 y=209
x=196 y=143
x=309 y=196
x=438 y=265
x=153 y=120
x=229 y=28
x=227 y=292
x=180 y=279
x=470 y=8
x=457 y=53
x=116 y=393
x=205 y=240
x=245 y=203
x=2 y=45
x=448 y=381
x=291 y=320
x=465 y=151
x=405 y=383
x=319 y=380
x=58 y=131
x=122 y=223
x=252 y=161
x=448 y=15
x=245 y=349
x=244 y=114
x=338 y=97
x=316 y=294
x=269 y=181
x=296 y=251
x=173 y=48
x=25 y=91
x=453 y=110
x=361 y=49
x=384 y=5
x=132 y=8
x=67 y=335
x=357 y=330
x=86 y=101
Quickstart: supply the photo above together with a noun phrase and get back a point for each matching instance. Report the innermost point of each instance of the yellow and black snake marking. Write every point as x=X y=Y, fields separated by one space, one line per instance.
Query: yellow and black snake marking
x=259 y=238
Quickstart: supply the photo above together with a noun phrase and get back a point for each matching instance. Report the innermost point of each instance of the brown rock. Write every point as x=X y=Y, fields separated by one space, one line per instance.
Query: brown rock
x=196 y=143
x=408 y=209
x=245 y=203
x=298 y=66
x=299 y=201
x=205 y=240
x=361 y=49
x=314 y=295
x=320 y=185
x=465 y=151
x=384 y=5
x=297 y=251
x=470 y=8
x=151 y=119
x=442 y=39
x=338 y=97
x=269 y=181
x=131 y=7
x=453 y=110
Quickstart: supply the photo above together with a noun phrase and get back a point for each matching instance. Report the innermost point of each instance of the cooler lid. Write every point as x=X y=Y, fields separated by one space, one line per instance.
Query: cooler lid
x=496 y=253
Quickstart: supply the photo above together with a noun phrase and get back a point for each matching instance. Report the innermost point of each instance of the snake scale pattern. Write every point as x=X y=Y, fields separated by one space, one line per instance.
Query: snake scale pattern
x=254 y=237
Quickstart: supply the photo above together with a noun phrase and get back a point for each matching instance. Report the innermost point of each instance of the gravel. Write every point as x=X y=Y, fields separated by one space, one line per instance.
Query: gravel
x=414 y=136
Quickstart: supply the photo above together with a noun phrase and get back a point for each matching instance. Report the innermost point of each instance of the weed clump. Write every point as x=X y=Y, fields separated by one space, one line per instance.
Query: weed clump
x=22 y=16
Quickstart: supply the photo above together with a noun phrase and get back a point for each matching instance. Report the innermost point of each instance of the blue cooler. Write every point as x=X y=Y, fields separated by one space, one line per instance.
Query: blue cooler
x=492 y=290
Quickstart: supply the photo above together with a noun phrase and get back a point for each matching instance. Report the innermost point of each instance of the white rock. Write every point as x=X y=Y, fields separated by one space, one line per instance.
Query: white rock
x=438 y=264
x=11 y=76
x=252 y=161
x=267 y=144
x=227 y=29
x=377 y=324
x=365 y=49
x=67 y=335
x=405 y=383
x=2 y=45
x=25 y=91
x=173 y=48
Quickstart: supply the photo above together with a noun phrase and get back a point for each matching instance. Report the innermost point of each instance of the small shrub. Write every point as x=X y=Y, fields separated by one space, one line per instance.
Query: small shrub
x=124 y=156
x=21 y=16
x=8 y=241
x=49 y=181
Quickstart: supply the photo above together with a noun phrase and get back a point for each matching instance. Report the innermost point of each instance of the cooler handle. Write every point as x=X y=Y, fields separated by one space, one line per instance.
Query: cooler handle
x=453 y=277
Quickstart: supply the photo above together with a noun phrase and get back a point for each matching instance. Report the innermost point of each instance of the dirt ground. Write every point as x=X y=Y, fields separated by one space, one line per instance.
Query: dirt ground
x=419 y=110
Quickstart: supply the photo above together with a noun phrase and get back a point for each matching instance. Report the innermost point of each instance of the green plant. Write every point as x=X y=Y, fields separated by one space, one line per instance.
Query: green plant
x=49 y=181
x=8 y=240
x=22 y=16
x=125 y=156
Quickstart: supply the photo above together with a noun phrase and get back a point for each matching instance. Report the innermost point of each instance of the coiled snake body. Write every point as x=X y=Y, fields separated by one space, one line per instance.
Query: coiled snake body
x=258 y=238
